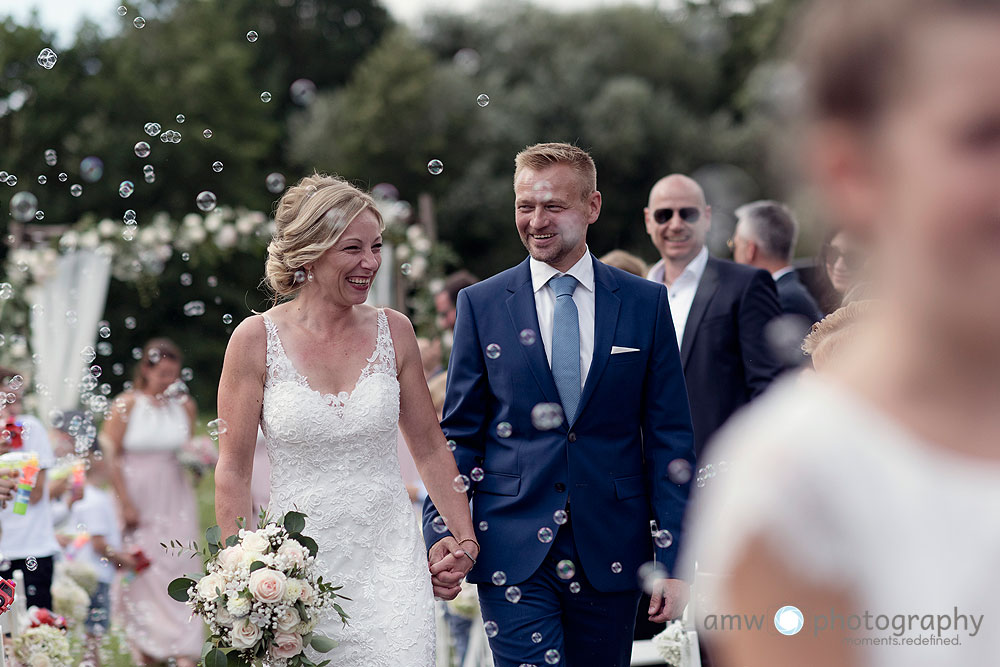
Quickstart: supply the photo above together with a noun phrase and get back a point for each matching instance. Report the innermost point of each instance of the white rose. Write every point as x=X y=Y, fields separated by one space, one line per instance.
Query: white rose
x=293 y=551
x=293 y=590
x=308 y=595
x=209 y=583
x=267 y=585
x=244 y=634
x=223 y=617
x=231 y=558
x=288 y=619
x=254 y=543
x=39 y=660
x=238 y=606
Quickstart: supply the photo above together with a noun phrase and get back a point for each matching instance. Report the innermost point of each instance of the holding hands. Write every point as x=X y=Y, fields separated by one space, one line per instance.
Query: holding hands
x=449 y=561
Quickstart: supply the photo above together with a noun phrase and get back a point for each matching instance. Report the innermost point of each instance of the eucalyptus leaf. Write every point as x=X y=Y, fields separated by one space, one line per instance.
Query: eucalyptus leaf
x=322 y=644
x=216 y=658
x=213 y=535
x=178 y=588
x=295 y=522
x=308 y=543
x=256 y=565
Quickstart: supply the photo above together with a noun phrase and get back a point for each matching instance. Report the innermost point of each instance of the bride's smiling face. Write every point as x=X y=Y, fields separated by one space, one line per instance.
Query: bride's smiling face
x=347 y=269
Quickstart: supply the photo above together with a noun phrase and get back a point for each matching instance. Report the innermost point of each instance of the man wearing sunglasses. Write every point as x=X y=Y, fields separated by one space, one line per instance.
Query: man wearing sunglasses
x=720 y=309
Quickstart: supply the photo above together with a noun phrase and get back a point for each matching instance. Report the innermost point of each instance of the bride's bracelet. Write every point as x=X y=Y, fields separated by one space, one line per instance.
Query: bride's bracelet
x=478 y=548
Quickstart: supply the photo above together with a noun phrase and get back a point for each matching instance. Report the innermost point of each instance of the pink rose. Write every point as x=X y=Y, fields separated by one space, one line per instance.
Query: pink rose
x=286 y=645
x=267 y=585
x=231 y=557
x=244 y=634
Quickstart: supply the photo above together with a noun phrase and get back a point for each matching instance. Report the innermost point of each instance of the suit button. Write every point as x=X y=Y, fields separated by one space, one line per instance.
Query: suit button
x=572 y=437
x=560 y=487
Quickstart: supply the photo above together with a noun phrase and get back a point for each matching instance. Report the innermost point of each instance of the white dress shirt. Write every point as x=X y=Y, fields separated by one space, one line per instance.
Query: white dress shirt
x=781 y=272
x=680 y=294
x=583 y=297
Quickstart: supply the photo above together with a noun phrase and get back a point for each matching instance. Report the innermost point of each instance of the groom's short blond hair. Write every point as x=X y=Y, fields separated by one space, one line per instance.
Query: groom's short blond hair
x=543 y=156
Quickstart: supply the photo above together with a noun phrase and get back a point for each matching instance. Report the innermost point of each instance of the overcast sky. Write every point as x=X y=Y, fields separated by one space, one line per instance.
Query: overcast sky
x=63 y=16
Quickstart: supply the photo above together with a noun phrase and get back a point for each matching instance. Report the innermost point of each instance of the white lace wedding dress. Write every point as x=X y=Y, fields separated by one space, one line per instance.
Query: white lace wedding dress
x=334 y=458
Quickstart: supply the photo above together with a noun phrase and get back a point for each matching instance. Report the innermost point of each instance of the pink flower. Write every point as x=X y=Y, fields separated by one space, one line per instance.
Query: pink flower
x=267 y=585
x=286 y=645
x=244 y=634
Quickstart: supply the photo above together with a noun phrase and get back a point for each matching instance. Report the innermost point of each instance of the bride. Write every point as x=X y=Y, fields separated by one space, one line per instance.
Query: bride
x=328 y=379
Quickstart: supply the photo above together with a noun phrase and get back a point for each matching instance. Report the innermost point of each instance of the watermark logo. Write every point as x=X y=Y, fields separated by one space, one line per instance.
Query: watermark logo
x=789 y=620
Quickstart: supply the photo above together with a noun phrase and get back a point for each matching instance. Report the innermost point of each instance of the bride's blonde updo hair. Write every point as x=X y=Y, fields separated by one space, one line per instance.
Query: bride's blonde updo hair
x=309 y=219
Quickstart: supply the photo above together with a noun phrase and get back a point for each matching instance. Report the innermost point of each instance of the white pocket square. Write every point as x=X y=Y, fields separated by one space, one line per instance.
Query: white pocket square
x=618 y=349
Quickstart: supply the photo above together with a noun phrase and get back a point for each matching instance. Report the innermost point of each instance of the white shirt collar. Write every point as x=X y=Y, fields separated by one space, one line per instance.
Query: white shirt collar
x=693 y=271
x=583 y=271
x=782 y=272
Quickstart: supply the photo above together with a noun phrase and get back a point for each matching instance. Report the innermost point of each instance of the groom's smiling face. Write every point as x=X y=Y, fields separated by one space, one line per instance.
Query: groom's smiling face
x=552 y=213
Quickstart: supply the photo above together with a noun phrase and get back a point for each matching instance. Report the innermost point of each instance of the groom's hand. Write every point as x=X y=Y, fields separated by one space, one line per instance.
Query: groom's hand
x=448 y=565
x=668 y=599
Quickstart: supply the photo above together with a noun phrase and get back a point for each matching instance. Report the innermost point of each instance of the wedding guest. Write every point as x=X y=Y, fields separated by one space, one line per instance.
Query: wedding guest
x=832 y=336
x=430 y=356
x=146 y=431
x=445 y=300
x=843 y=258
x=626 y=261
x=765 y=236
x=850 y=491
x=28 y=541
x=720 y=309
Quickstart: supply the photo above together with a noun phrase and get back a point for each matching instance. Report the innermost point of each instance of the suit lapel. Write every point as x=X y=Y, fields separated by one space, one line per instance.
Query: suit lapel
x=606 y=307
x=523 y=316
x=707 y=287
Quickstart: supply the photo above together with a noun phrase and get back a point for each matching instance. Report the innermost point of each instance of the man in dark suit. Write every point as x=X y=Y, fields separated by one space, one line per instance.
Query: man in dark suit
x=765 y=236
x=720 y=309
x=567 y=408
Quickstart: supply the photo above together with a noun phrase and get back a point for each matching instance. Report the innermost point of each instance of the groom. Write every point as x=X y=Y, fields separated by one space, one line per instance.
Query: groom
x=567 y=407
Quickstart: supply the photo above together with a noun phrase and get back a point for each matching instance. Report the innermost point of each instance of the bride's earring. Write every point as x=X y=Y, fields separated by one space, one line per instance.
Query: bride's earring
x=309 y=276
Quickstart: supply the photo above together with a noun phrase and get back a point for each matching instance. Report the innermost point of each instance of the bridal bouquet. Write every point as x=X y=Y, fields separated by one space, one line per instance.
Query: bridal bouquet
x=198 y=455
x=674 y=645
x=260 y=595
x=42 y=646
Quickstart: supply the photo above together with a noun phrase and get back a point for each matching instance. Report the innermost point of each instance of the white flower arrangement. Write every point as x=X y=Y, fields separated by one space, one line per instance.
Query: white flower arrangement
x=260 y=595
x=674 y=645
x=81 y=572
x=70 y=600
x=44 y=646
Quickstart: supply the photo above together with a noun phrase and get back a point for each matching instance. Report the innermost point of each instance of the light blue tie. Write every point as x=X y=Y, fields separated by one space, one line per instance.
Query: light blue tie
x=566 y=345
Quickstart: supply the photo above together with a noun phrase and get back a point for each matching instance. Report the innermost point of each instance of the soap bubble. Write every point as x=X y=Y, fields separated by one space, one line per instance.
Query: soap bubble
x=180 y=118
x=484 y=526
x=130 y=323
x=206 y=201
x=406 y=268
x=499 y=578
x=187 y=374
x=39 y=215
x=461 y=484
x=302 y=92
x=565 y=569
x=152 y=129
x=527 y=337
x=452 y=445
x=504 y=430
x=435 y=167
x=483 y=100
x=194 y=308
x=544 y=534
x=513 y=594
x=125 y=189
x=252 y=36
x=104 y=331
x=23 y=206
x=51 y=157
x=299 y=277
x=207 y=133
x=649 y=574
x=574 y=587
x=63 y=177
x=88 y=354
x=227 y=319
x=217 y=427
x=6 y=291
x=663 y=538
x=12 y=180
x=16 y=382
x=275 y=182
x=265 y=97
x=122 y=10
x=91 y=169
x=616 y=567
x=76 y=189
x=31 y=563
x=141 y=149
x=547 y=416
x=47 y=58
x=552 y=656
x=476 y=474
x=679 y=471
x=493 y=351
x=139 y=22
x=491 y=628
x=186 y=279
x=560 y=517
x=536 y=637
x=43 y=179
x=439 y=525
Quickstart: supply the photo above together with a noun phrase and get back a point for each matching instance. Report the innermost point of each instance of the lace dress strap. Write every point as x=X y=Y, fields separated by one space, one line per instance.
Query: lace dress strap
x=279 y=367
x=383 y=359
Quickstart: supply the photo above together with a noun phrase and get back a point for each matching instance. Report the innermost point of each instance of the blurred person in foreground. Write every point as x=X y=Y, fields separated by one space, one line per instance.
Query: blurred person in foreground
x=149 y=425
x=865 y=496
x=720 y=309
x=832 y=336
x=27 y=541
x=844 y=259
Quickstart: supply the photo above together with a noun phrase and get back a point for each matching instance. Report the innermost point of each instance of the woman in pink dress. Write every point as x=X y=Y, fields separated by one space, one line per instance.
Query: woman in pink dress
x=149 y=424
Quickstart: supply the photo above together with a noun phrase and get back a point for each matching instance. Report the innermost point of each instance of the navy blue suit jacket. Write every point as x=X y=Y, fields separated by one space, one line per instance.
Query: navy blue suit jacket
x=611 y=463
x=795 y=299
x=727 y=359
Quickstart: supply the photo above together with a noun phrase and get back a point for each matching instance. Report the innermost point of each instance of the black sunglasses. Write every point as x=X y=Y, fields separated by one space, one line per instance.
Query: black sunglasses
x=689 y=214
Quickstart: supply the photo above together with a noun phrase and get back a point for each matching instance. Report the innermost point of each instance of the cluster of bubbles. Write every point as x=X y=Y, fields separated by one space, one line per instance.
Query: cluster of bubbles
x=194 y=308
x=709 y=471
x=152 y=129
x=125 y=189
x=148 y=173
x=47 y=58
x=170 y=137
x=217 y=427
